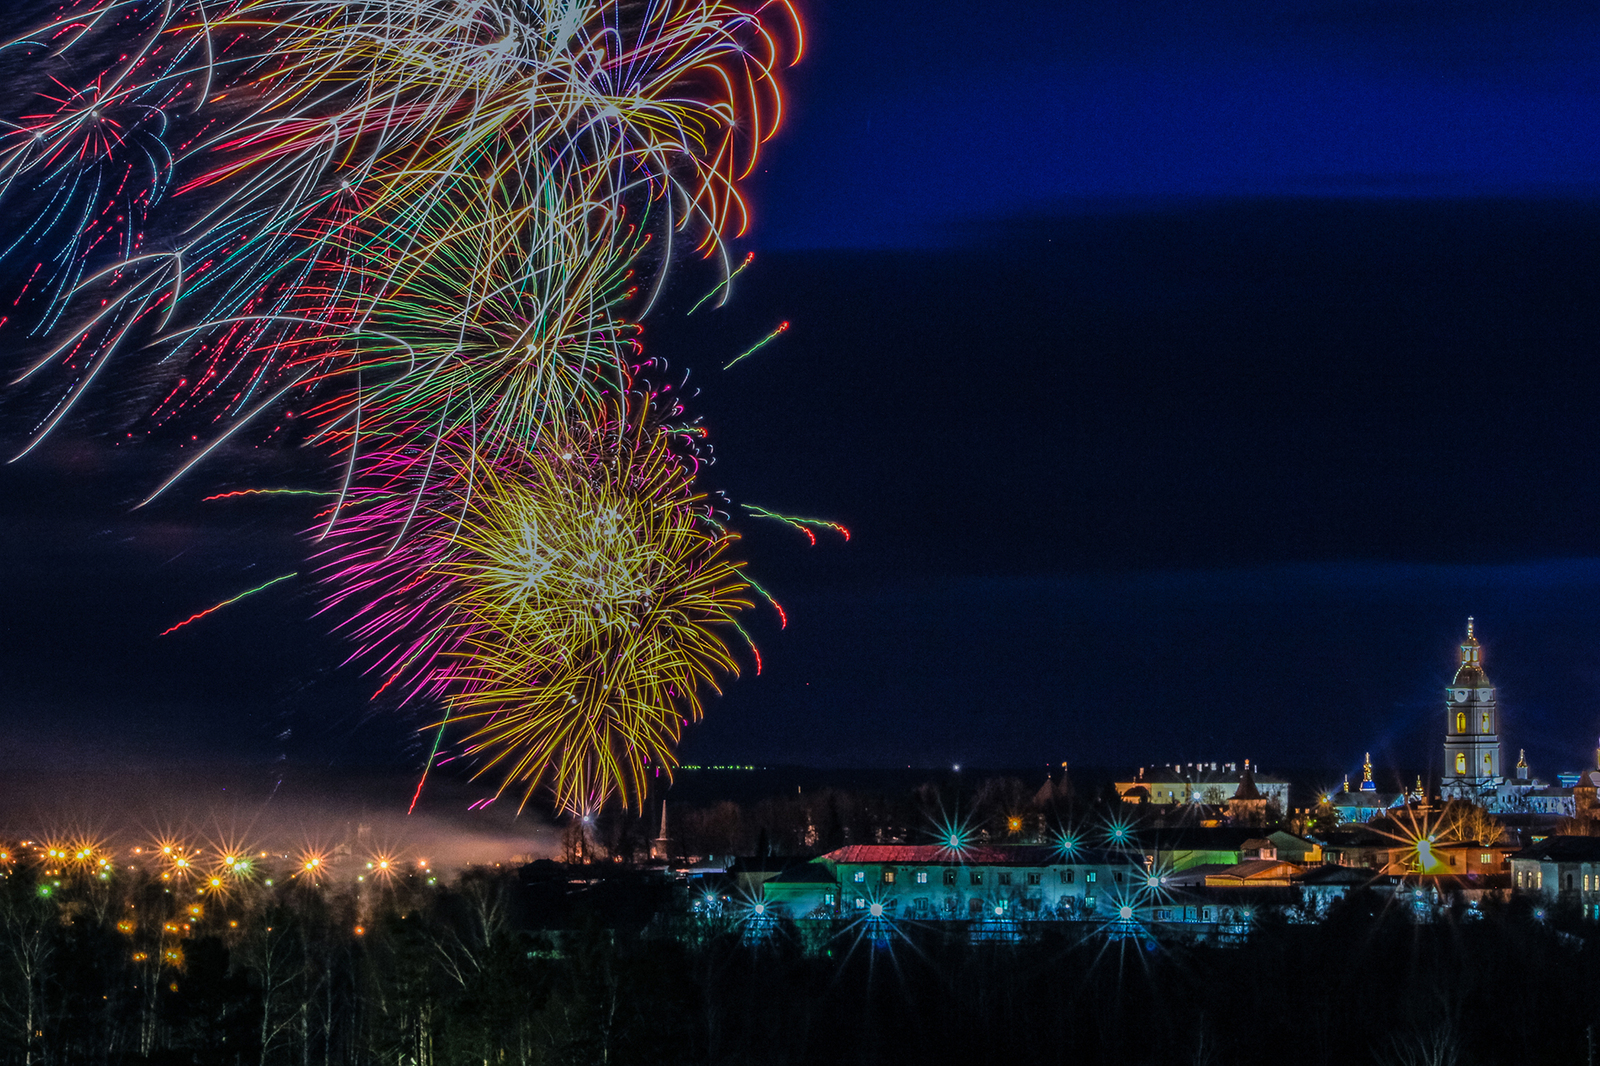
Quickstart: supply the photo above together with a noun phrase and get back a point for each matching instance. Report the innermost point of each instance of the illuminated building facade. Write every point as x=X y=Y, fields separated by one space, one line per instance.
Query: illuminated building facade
x=931 y=882
x=1561 y=868
x=1209 y=783
x=1472 y=768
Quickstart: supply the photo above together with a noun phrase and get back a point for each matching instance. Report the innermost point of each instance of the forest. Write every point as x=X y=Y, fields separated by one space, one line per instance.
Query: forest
x=529 y=966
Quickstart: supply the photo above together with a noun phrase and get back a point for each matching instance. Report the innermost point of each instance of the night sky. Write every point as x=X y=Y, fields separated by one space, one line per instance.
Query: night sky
x=1186 y=376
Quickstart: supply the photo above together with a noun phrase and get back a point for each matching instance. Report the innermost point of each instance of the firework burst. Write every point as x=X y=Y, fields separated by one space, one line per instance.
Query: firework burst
x=435 y=225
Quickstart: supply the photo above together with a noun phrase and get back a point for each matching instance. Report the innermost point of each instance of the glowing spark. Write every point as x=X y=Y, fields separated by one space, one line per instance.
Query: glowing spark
x=804 y=525
x=760 y=344
x=224 y=603
x=724 y=284
x=266 y=492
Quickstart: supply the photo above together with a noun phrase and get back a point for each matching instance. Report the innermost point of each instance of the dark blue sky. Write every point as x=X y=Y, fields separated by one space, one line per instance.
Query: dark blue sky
x=1186 y=374
x=912 y=117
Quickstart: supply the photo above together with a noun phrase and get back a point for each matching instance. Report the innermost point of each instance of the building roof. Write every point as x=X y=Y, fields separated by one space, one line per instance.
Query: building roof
x=1472 y=845
x=1254 y=872
x=1378 y=800
x=1319 y=876
x=1562 y=849
x=811 y=873
x=1195 y=875
x=975 y=855
x=1258 y=869
x=1197 y=838
x=1247 y=789
x=1194 y=776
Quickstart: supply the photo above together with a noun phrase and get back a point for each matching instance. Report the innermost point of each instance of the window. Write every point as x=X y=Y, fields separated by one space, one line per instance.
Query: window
x=861 y=904
x=1461 y=762
x=1485 y=728
x=1163 y=916
x=922 y=877
x=1118 y=876
x=1005 y=877
x=1208 y=914
x=827 y=899
x=921 y=904
x=1091 y=876
x=861 y=875
x=949 y=877
x=1033 y=878
x=976 y=878
x=1486 y=858
x=888 y=877
x=1487 y=762
x=1066 y=877
x=1461 y=721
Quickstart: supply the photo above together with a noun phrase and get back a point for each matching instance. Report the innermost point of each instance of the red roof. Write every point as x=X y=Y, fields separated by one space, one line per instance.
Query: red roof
x=940 y=855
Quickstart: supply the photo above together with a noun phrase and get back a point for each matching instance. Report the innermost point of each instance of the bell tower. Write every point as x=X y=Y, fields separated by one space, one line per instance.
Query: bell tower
x=1472 y=730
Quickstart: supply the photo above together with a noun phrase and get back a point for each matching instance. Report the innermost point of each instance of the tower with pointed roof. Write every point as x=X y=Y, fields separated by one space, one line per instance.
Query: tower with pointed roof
x=1472 y=768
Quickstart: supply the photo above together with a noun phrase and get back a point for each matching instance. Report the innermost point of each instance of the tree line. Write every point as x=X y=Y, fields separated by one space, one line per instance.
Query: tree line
x=133 y=970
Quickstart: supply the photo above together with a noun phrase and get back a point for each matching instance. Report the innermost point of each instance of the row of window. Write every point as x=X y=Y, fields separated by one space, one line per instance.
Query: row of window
x=975 y=877
x=949 y=905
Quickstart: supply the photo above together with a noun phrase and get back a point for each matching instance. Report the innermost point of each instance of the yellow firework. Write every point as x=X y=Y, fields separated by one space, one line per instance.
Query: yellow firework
x=594 y=593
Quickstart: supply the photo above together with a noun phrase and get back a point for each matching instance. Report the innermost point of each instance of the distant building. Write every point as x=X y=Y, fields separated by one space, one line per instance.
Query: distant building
x=1395 y=848
x=1472 y=768
x=810 y=890
x=1561 y=868
x=934 y=882
x=1175 y=850
x=1206 y=783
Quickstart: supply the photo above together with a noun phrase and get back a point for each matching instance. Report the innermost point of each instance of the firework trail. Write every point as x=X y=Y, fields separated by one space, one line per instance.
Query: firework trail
x=804 y=525
x=783 y=327
x=230 y=600
x=433 y=226
x=342 y=139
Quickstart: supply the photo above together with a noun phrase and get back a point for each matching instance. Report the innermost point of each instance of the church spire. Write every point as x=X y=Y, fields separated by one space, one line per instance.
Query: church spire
x=1470 y=673
x=1367 y=784
x=1472 y=765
